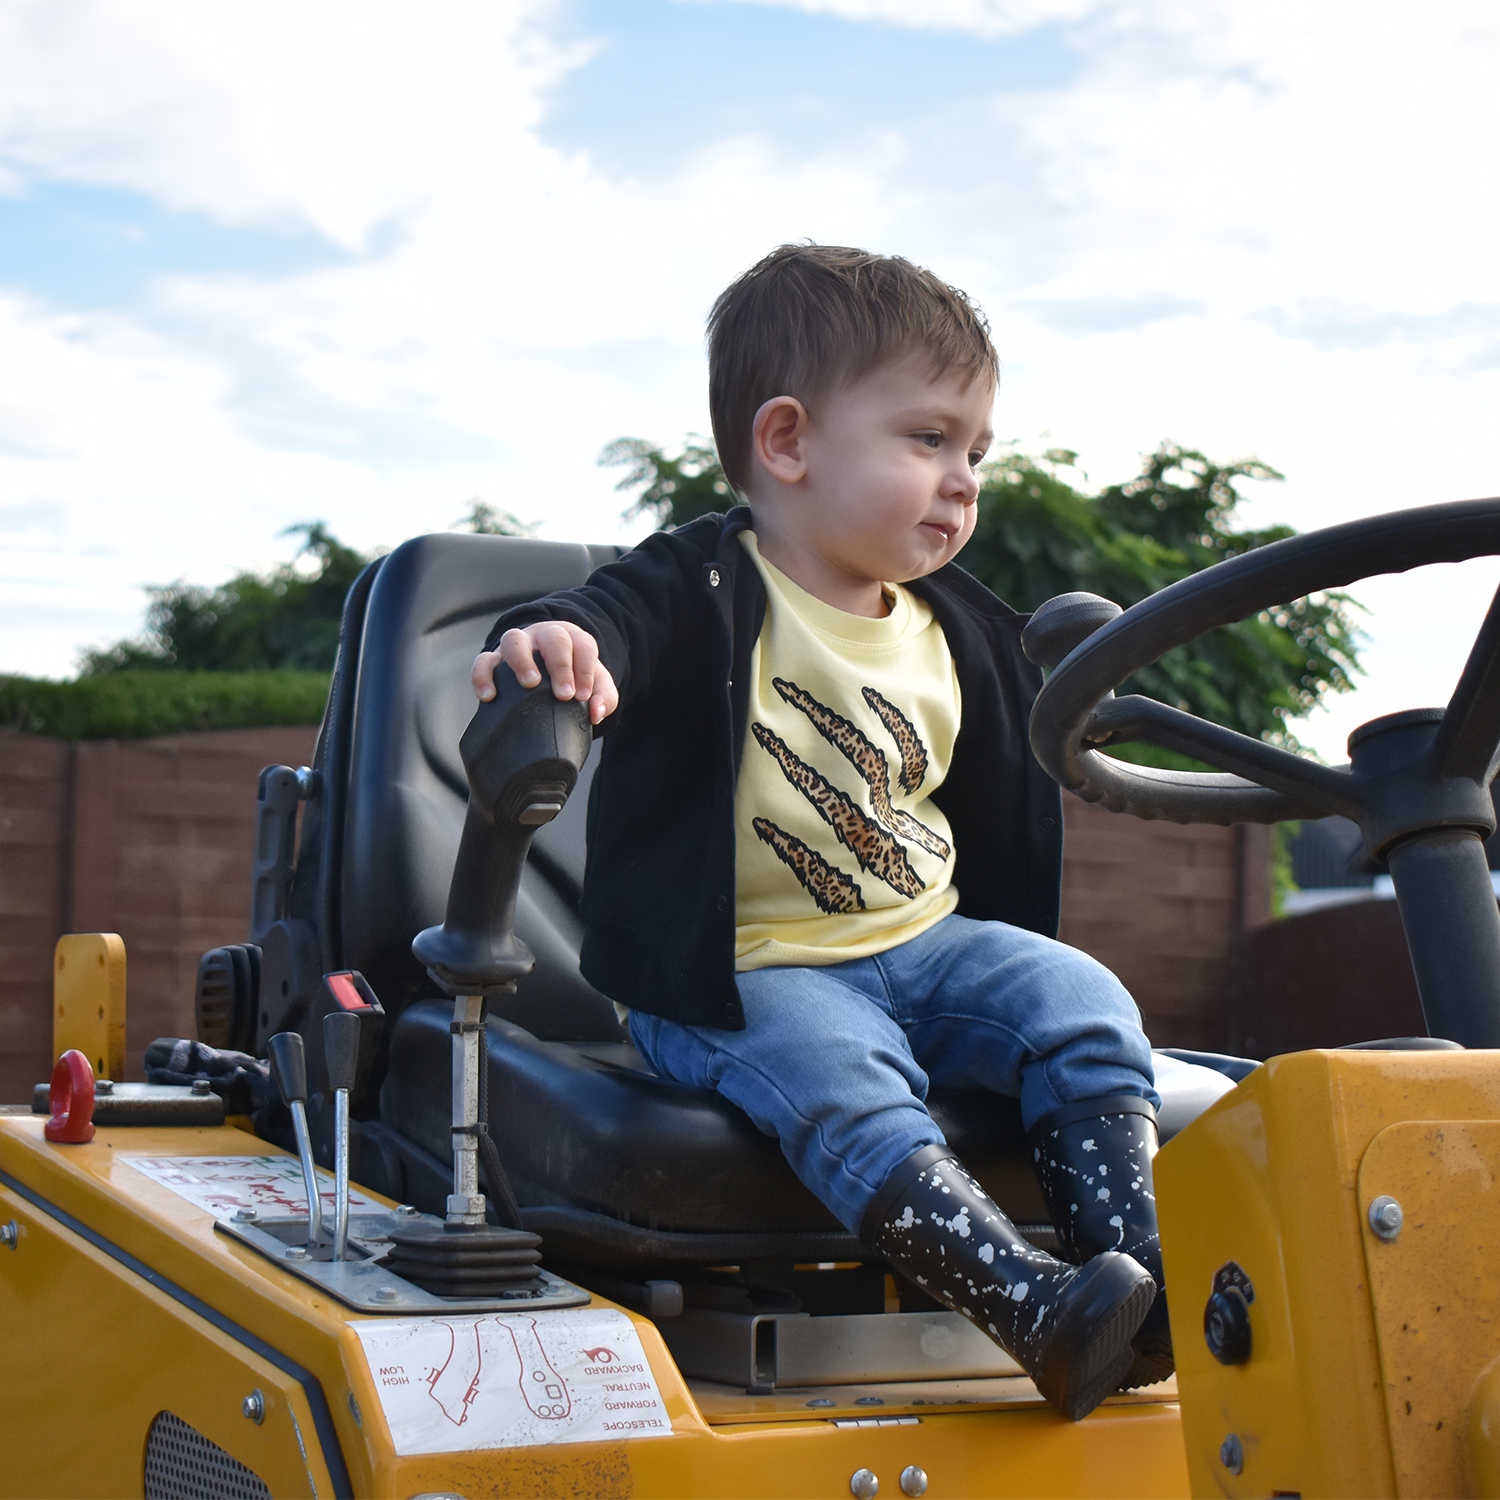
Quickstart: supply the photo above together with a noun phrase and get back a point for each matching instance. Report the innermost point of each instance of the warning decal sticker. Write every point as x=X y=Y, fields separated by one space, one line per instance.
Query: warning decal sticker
x=268 y=1184
x=512 y=1380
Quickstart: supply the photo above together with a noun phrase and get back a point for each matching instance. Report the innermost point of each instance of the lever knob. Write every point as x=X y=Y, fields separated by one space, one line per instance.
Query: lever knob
x=341 y=1029
x=1063 y=623
x=289 y=1066
x=522 y=753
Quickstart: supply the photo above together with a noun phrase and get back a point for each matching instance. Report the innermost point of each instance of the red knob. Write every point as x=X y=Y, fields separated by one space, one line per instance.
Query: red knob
x=71 y=1100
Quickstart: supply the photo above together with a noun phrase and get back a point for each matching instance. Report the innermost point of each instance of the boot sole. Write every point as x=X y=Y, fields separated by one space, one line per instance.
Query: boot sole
x=1090 y=1351
x=1153 y=1361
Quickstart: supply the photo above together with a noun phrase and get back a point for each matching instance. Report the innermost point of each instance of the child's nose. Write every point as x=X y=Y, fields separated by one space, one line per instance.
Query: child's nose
x=964 y=485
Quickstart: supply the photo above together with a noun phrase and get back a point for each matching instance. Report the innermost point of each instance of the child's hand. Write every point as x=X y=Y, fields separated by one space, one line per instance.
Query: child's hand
x=572 y=659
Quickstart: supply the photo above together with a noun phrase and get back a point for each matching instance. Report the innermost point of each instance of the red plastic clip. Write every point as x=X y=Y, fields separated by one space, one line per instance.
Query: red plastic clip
x=72 y=1100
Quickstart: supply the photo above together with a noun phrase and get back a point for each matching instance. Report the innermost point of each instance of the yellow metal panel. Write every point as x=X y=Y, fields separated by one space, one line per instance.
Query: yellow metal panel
x=88 y=1000
x=1268 y=1179
x=1128 y=1447
x=92 y=1354
x=1435 y=1289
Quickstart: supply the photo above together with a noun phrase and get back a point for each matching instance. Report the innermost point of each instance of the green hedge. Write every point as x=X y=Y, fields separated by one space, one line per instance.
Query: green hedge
x=137 y=705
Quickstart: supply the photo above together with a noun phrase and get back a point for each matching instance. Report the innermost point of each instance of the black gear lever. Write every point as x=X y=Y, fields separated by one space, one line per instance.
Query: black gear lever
x=522 y=752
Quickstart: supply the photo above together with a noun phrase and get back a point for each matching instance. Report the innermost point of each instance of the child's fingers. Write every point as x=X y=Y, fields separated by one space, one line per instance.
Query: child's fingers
x=516 y=649
x=482 y=675
x=558 y=646
x=605 y=698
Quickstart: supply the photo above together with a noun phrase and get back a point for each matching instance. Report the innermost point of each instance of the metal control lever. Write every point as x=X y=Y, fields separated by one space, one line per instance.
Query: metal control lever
x=289 y=1068
x=522 y=753
x=341 y=1036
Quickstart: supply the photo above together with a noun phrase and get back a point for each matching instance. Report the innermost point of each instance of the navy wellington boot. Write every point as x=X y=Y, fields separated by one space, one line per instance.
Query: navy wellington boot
x=1093 y=1160
x=1070 y=1327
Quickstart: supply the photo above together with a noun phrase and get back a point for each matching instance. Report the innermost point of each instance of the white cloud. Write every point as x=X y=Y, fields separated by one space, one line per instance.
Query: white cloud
x=1266 y=229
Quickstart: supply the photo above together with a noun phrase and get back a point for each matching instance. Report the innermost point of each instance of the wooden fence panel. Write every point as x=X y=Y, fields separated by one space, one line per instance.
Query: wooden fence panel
x=152 y=839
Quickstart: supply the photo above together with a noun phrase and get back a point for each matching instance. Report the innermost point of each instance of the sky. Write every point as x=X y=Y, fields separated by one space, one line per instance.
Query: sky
x=367 y=263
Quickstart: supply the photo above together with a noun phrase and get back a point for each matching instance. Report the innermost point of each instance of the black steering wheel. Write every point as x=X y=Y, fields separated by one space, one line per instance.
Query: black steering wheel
x=1417 y=783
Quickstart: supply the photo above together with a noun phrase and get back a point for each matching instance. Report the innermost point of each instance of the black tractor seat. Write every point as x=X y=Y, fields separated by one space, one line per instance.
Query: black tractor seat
x=614 y=1165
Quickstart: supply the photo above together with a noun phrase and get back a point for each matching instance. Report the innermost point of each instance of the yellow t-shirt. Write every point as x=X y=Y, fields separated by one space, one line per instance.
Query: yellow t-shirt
x=839 y=849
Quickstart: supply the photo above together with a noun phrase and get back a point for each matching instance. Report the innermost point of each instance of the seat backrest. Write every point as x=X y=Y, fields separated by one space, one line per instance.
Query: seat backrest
x=432 y=603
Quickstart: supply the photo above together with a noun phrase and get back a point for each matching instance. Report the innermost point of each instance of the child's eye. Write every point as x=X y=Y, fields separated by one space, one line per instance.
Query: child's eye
x=931 y=439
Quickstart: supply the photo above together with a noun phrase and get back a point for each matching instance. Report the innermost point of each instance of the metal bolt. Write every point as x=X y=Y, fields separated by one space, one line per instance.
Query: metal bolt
x=1231 y=1454
x=244 y=1215
x=386 y=1294
x=406 y=1211
x=10 y=1235
x=863 y=1485
x=821 y=1401
x=202 y=1086
x=296 y=1252
x=1386 y=1217
x=254 y=1407
x=104 y=1086
x=870 y=1401
x=913 y=1481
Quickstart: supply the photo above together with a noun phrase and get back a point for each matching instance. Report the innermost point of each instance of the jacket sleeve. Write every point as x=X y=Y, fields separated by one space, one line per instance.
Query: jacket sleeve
x=637 y=608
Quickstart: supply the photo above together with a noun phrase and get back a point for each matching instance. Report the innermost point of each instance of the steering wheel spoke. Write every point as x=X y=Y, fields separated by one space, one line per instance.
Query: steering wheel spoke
x=1134 y=718
x=1468 y=742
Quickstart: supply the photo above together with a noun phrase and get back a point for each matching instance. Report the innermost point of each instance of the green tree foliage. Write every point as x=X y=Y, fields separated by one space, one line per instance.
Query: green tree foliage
x=488 y=520
x=128 y=705
x=287 y=619
x=1039 y=535
x=672 y=490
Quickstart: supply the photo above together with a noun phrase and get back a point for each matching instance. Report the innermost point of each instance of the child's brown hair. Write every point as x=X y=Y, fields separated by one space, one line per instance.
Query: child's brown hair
x=809 y=318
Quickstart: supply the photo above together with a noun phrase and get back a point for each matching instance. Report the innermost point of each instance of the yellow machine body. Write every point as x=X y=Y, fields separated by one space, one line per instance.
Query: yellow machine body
x=1372 y=1358
x=1372 y=1364
x=88 y=1000
x=119 y=1301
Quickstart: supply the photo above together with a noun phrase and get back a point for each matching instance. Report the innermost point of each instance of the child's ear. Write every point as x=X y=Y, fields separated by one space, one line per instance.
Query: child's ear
x=777 y=438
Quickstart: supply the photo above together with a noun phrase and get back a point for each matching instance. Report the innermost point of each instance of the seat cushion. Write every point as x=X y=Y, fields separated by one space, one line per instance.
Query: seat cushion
x=590 y=1126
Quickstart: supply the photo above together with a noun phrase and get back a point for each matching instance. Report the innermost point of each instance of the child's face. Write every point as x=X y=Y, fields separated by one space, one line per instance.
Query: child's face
x=878 y=484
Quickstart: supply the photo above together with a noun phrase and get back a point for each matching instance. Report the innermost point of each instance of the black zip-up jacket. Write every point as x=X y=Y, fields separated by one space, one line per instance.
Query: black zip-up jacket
x=676 y=619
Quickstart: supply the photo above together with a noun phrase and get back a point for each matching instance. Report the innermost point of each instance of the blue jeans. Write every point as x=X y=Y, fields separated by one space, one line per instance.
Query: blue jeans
x=836 y=1062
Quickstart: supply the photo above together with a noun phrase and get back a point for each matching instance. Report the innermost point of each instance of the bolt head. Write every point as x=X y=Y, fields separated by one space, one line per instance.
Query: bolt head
x=202 y=1086
x=1386 y=1217
x=913 y=1481
x=10 y=1235
x=863 y=1485
x=1232 y=1454
x=254 y=1407
x=386 y=1294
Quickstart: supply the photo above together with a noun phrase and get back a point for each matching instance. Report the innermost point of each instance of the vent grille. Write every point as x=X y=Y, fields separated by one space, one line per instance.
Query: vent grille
x=182 y=1464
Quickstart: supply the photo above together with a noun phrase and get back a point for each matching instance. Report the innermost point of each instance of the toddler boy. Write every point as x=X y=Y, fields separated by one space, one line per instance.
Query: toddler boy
x=823 y=865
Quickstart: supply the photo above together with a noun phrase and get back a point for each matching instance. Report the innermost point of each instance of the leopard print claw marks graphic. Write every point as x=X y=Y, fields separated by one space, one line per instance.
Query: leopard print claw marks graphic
x=876 y=843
